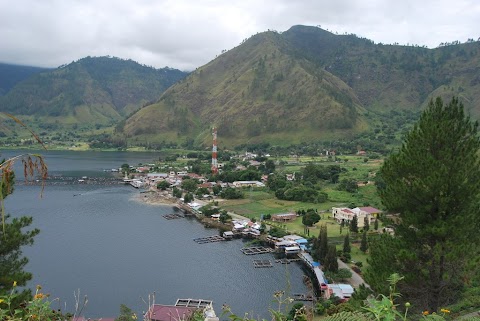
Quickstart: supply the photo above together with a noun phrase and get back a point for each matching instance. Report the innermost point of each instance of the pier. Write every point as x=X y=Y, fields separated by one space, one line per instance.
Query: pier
x=209 y=239
x=302 y=297
x=287 y=261
x=256 y=250
x=172 y=216
x=262 y=263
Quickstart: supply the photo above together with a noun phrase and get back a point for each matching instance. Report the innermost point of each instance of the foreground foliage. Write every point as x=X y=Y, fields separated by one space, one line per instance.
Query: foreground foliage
x=433 y=182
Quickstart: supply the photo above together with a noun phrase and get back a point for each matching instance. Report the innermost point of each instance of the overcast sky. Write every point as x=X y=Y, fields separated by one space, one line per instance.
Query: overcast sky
x=185 y=34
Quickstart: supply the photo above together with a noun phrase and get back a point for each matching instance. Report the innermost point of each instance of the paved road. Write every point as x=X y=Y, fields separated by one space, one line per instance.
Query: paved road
x=356 y=279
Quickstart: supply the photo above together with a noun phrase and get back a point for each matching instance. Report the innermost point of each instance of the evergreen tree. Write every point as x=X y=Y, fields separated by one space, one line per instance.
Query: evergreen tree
x=366 y=223
x=354 y=224
x=346 y=244
x=321 y=245
x=331 y=263
x=433 y=181
x=12 y=238
x=375 y=226
x=364 y=242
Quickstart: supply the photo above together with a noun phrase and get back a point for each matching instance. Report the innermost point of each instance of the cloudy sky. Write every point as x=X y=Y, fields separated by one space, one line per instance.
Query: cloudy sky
x=185 y=34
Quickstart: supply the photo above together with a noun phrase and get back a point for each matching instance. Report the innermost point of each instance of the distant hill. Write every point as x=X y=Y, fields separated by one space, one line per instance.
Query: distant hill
x=92 y=90
x=255 y=92
x=10 y=75
x=306 y=84
x=393 y=76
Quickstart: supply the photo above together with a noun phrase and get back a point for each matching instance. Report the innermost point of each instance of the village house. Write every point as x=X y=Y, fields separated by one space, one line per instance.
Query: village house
x=346 y=214
x=285 y=217
x=248 y=184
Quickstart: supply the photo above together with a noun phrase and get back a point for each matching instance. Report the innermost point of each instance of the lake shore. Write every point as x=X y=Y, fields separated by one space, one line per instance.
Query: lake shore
x=156 y=198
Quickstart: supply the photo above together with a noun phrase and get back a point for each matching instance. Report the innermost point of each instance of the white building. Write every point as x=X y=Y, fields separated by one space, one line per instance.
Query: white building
x=346 y=214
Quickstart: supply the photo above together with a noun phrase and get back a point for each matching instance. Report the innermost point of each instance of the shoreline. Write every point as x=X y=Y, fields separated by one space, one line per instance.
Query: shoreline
x=155 y=198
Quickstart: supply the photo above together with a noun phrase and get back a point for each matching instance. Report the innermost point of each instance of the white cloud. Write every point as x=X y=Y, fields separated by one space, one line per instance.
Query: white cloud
x=186 y=34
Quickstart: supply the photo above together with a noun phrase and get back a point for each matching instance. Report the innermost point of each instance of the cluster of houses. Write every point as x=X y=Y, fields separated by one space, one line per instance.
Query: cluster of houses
x=295 y=244
x=175 y=180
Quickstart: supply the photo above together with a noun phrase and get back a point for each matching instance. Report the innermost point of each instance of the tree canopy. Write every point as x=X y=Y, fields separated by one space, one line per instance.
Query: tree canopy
x=433 y=182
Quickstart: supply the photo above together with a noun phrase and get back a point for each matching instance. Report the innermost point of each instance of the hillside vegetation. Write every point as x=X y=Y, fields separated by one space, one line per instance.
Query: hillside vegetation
x=306 y=84
x=254 y=92
x=93 y=90
x=10 y=75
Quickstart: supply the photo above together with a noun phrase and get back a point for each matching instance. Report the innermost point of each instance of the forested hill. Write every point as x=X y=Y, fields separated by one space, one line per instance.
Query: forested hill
x=10 y=75
x=307 y=84
x=257 y=91
x=97 y=90
x=393 y=76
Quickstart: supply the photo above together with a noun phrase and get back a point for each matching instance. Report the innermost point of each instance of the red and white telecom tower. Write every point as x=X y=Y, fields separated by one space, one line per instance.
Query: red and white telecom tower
x=214 y=152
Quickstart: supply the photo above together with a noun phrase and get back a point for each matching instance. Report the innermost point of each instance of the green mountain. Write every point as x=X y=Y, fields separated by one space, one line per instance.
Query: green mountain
x=10 y=75
x=255 y=92
x=393 y=76
x=305 y=84
x=92 y=90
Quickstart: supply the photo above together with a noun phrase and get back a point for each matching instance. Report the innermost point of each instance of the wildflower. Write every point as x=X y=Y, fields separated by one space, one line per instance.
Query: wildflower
x=134 y=316
x=425 y=312
x=407 y=304
x=14 y=283
x=2 y=300
x=38 y=296
x=39 y=287
x=444 y=311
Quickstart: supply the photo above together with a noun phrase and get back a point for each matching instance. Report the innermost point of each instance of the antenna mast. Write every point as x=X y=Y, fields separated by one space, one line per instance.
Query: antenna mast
x=214 y=152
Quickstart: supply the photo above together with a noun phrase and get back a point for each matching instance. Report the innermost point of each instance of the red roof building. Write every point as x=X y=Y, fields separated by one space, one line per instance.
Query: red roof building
x=159 y=312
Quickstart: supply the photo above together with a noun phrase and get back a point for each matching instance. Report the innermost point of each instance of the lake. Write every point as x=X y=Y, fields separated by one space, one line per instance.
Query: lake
x=115 y=249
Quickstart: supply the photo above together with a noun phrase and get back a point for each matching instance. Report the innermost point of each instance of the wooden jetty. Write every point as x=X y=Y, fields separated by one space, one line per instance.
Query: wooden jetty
x=172 y=216
x=193 y=303
x=262 y=263
x=302 y=297
x=287 y=261
x=209 y=239
x=256 y=250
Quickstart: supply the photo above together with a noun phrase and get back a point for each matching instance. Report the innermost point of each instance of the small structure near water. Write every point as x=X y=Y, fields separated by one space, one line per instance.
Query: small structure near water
x=256 y=250
x=182 y=310
x=209 y=239
x=262 y=263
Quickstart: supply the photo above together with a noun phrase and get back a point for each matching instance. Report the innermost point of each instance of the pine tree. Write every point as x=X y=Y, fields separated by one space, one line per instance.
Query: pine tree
x=12 y=238
x=366 y=223
x=364 y=242
x=331 y=263
x=321 y=245
x=354 y=224
x=433 y=181
x=346 y=244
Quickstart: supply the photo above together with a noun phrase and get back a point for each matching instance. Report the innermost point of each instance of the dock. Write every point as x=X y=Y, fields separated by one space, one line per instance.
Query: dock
x=209 y=239
x=302 y=297
x=262 y=263
x=193 y=303
x=287 y=261
x=256 y=250
x=172 y=216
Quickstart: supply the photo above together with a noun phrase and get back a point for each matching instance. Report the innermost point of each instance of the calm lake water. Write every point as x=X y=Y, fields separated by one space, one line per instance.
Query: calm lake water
x=115 y=249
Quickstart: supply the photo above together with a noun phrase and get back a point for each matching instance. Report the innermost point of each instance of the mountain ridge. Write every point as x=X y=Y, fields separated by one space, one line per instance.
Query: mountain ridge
x=99 y=90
